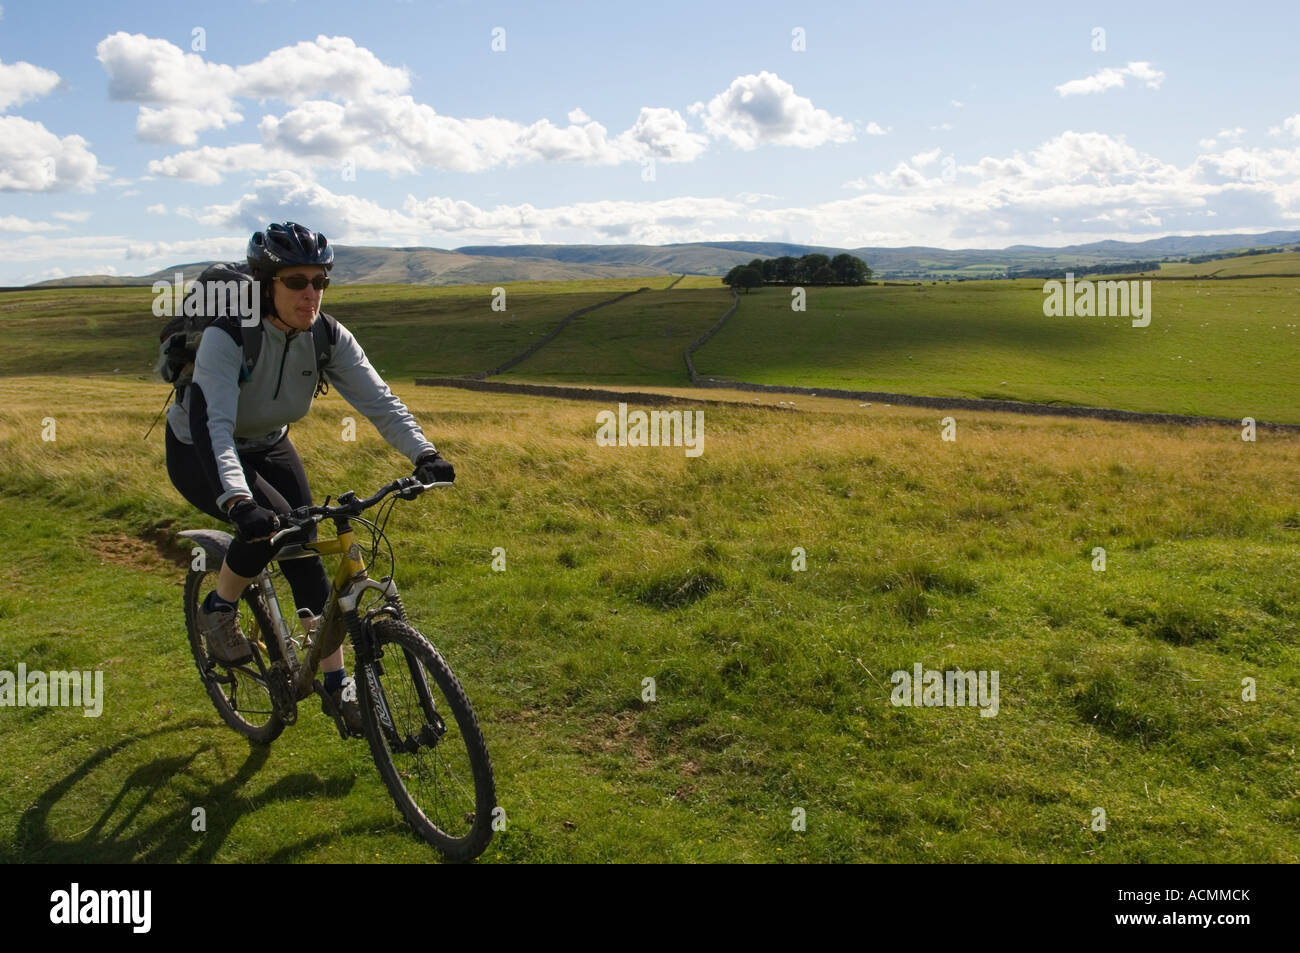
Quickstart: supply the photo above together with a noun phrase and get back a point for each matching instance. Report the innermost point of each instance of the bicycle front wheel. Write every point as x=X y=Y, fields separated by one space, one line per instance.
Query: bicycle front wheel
x=426 y=741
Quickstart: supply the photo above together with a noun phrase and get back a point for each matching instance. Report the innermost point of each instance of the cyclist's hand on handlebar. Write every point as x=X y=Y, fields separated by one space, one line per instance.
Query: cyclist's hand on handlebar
x=432 y=468
x=255 y=523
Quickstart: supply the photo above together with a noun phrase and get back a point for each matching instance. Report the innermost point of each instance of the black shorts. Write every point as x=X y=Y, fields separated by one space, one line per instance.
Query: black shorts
x=277 y=480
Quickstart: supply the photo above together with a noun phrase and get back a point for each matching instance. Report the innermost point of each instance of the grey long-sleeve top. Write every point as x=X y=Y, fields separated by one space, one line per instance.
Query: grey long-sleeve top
x=220 y=418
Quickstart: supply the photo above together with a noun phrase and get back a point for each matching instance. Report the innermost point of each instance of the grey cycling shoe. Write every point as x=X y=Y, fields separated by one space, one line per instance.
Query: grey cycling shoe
x=226 y=643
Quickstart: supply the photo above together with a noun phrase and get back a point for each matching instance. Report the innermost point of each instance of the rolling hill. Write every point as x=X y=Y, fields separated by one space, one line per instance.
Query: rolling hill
x=490 y=264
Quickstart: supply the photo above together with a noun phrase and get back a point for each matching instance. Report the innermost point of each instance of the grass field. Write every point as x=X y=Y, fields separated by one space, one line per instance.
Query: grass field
x=1119 y=689
x=1279 y=263
x=1225 y=349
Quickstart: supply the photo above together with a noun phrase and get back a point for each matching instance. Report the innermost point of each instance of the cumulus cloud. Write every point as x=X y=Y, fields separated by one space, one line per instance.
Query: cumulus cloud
x=192 y=249
x=662 y=134
x=764 y=109
x=397 y=135
x=289 y=196
x=349 y=218
x=346 y=106
x=1112 y=78
x=33 y=159
x=193 y=95
x=78 y=216
x=20 y=82
x=12 y=223
x=1227 y=135
x=209 y=164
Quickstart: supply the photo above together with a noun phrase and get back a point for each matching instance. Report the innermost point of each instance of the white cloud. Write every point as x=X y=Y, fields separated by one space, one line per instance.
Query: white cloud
x=12 y=223
x=33 y=159
x=196 y=95
x=181 y=125
x=1228 y=135
x=78 y=216
x=922 y=159
x=347 y=106
x=874 y=129
x=20 y=82
x=397 y=135
x=288 y=196
x=1112 y=78
x=193 y=249
x=158 y=209
x=764 y=109
x=1291 y=125
x=349 y=218
x=208 y=164
x=661 y=133
x=957 y=104
x=903 y=176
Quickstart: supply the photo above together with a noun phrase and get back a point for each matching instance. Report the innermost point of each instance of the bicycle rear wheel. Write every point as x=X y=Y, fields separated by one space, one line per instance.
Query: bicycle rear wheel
x=239 y=693
x=426 y=741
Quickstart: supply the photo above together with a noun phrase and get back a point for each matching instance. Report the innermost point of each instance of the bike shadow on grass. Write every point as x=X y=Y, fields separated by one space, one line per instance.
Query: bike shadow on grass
x=171 y=837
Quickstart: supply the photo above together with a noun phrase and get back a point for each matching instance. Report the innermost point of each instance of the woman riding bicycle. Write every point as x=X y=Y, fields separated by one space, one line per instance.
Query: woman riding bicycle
x=228 y=449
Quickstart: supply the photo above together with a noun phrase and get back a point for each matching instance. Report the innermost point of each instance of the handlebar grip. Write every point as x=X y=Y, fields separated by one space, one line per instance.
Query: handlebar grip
x=275 y=540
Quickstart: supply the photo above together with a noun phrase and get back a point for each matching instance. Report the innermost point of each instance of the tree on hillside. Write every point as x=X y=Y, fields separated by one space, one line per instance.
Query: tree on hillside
x=783 y=269
x=749 y=277
x=824 y=275
x=850 y=270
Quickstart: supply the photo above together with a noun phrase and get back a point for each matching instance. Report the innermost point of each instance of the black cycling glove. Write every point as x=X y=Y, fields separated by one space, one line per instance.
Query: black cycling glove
x=253 y=522
x=430 y=467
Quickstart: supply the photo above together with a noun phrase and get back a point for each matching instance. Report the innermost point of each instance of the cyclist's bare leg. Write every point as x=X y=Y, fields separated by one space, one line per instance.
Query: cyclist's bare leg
x=230 y=585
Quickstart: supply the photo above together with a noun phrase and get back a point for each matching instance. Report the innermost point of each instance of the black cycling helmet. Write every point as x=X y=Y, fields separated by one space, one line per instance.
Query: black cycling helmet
x=287 y=245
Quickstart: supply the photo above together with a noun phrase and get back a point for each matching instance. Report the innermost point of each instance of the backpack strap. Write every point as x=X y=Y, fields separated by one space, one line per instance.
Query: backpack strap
x=250 y=340
x=325 y=334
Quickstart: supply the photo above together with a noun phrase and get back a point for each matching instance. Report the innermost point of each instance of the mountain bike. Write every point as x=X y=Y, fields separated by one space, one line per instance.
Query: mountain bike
x=418 y=721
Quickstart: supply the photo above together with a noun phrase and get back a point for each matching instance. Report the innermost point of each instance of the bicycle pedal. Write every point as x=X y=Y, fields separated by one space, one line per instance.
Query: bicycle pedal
x=331 y=710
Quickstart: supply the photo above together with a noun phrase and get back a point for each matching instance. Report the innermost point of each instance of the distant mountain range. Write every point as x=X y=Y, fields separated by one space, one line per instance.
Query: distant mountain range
x=489 y=264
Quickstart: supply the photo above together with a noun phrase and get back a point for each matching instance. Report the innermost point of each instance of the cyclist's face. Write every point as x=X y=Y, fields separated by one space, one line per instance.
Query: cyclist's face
x=298 y=309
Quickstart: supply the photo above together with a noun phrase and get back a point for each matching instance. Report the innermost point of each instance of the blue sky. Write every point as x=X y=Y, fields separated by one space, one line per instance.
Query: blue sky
x=131 y=142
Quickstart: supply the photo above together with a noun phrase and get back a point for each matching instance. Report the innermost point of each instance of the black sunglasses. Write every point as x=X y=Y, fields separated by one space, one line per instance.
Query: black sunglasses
x=298 y=282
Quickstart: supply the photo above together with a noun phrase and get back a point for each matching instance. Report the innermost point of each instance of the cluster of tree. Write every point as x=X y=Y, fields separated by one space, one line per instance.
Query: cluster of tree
x=843 y=269
x=1058 y=271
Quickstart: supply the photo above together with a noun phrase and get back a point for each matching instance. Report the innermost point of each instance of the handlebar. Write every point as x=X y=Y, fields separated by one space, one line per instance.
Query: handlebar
x=408 y=488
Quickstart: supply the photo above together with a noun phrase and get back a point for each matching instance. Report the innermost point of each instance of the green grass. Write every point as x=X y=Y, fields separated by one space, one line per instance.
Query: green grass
x=1278 y=263
x=1225 y=349
x=639 y=340
x=1119 y=690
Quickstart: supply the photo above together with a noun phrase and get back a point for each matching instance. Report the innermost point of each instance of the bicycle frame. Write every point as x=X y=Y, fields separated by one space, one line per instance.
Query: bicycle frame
x=350 y=581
